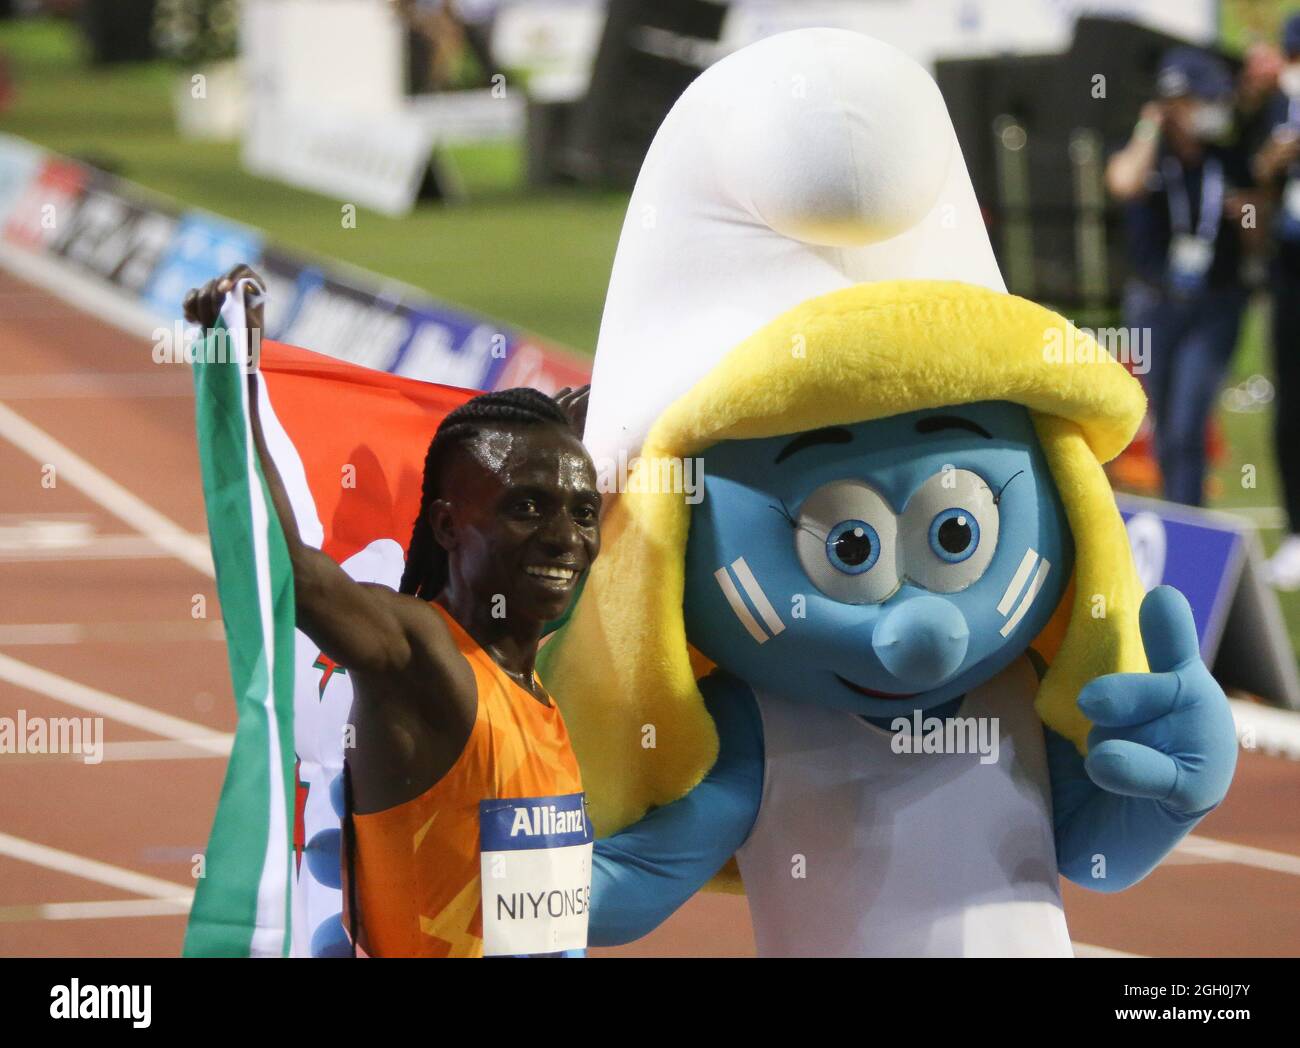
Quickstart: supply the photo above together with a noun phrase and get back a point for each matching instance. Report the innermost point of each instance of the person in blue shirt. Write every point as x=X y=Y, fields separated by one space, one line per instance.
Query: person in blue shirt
x=1179 y=177
x=1277 y=167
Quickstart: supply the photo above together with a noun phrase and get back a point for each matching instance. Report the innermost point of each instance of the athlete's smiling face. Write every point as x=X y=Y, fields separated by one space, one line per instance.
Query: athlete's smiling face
x=878 y=567
x=521 y=519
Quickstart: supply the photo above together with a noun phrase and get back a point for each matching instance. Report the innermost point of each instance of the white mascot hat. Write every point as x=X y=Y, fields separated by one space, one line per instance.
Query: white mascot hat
x=805 y=163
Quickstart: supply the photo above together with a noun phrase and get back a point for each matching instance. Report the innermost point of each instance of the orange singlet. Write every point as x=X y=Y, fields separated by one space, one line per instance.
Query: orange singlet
x=509 y=814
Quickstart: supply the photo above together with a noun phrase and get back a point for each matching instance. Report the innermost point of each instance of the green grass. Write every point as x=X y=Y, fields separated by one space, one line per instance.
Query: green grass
x=536 y=260
x=1243 y=21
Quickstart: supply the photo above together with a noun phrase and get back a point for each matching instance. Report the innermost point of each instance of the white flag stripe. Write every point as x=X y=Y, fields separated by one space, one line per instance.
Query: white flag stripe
x=757 y=595
x=1017 y=582
x=293 y=475
x=1044 y=566
x=738 y=606
x=272 y=925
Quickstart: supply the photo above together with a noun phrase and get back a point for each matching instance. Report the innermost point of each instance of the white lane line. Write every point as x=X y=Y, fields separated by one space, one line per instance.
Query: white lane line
x=90 y=869
x=1017 y=582
x=93 y=911
x=1085 y=949
x=49 y=633
x=757 y=595
x=1266 y=729
x=96 y=547
x=42 y=633
x=723 y=578
x=108 y=493
x=1241 y=854
x=92 y=700
x=159 y=383
x=150 y=750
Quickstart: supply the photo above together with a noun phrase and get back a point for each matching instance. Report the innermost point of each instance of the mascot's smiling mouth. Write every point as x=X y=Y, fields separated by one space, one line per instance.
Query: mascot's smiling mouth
x=873 y=693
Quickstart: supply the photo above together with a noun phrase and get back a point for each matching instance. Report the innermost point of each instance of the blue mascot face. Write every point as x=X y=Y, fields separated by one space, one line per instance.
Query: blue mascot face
x=877 y=568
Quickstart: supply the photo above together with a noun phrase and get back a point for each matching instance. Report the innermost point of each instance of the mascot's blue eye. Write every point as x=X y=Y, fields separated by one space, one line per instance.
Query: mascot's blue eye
x=852 y=546
x=954 y=535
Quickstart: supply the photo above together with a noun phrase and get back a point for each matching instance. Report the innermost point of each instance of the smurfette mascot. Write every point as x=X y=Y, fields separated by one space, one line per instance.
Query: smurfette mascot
x=865 y=615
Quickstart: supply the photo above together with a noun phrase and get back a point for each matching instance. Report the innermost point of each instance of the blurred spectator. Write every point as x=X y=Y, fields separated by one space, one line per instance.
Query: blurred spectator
x=445 y=34
x=1277 y=167
x=1180 y=177
x=1256 y=93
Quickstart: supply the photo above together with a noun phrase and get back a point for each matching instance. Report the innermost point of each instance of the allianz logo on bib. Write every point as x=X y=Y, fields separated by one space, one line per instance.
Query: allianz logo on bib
x=509 y=824
x=547 y=819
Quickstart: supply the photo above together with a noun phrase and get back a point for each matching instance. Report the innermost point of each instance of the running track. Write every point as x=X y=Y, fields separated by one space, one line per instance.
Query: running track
x=99 y=574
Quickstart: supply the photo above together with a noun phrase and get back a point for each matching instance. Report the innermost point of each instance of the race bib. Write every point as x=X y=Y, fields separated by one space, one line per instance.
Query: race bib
x=536 y=873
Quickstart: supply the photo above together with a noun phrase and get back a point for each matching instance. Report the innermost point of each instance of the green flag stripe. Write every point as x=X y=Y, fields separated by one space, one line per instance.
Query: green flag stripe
x=253 y=825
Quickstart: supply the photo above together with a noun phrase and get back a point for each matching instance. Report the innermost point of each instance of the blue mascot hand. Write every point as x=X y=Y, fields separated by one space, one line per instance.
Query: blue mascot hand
x=1167 y=735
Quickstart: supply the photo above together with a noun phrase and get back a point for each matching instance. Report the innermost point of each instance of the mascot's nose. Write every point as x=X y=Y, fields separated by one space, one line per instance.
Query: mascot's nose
x=922 y=641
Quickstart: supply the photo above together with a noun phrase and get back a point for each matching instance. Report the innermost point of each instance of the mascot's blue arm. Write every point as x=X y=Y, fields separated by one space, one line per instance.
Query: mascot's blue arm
x=643 y=873
x=1160 y=757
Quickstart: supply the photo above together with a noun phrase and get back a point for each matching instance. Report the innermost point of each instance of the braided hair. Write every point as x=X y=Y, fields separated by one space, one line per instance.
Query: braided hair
x=426 y=561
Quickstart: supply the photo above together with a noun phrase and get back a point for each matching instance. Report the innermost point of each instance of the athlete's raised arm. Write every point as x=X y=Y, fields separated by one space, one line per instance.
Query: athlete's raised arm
x=367 y=628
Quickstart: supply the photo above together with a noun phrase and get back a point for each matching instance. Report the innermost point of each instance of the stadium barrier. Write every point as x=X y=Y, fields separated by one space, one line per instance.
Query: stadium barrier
x=144 y=252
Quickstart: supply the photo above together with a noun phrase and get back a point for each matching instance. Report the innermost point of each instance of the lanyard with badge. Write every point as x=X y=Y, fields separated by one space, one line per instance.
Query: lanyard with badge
x=535 y=855
x=1288 y=227
x=1192 y=251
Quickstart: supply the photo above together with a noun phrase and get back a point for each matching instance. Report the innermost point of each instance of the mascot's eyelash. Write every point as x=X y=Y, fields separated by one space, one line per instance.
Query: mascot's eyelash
x=794 y=523
x=790 y=518
x=998 y=497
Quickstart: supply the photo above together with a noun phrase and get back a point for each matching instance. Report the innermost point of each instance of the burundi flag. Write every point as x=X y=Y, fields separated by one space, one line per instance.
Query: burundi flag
x=349 y=444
